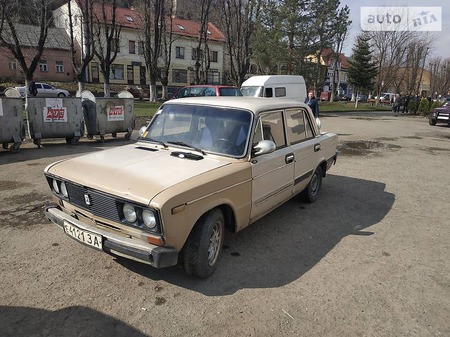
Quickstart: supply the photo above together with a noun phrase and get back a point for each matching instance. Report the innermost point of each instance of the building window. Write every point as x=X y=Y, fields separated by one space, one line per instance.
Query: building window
x=12 y=65
x=179 y=76
x=132 y=47
x=43 y=66
x=194 y=54
x=179 y=52
x=59 y=66
x=116 y=72
x=213 y=76
x=214 y=56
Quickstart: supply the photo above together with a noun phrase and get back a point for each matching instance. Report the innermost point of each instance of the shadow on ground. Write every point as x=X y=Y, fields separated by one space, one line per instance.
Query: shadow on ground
x=70 y=321
x=287 y=243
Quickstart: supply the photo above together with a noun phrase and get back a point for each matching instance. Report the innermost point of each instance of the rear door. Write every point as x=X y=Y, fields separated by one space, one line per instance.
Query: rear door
x=272 y=173
x=305 y=146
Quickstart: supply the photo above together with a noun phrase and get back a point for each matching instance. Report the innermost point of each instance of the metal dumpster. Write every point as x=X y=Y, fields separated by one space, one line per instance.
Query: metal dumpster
x=104 y=115
x=12 y=126
x=55 y=118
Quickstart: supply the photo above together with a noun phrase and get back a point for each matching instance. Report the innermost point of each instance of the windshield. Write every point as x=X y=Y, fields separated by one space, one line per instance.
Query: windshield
x=252 y=91
x=201 y=128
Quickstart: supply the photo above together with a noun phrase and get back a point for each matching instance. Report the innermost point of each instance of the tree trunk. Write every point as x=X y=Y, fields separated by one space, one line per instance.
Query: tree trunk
x=153 y=94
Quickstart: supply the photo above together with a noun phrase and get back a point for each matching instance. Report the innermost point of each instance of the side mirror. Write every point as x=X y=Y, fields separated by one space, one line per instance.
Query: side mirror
x=263 y=147
x=142 y=130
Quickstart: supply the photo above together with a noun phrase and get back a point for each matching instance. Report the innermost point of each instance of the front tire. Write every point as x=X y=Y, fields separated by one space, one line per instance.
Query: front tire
x=432 y=121
x=312 y=191
x=203 y=247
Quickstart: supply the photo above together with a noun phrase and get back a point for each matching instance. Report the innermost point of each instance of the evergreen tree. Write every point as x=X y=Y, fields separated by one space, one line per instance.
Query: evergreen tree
x=362 y=69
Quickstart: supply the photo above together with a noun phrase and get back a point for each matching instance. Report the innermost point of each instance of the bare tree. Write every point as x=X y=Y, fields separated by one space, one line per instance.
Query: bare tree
x=202 y=59
x=153 y=12
x=84 y=15
x=239 y=17
x=340 y=27
x=166 y=48
x=13 y=34
x=107 y=30
x=394 y=51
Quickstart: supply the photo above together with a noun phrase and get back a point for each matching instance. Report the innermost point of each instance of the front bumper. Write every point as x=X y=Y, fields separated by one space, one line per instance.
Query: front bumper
x=115 y=244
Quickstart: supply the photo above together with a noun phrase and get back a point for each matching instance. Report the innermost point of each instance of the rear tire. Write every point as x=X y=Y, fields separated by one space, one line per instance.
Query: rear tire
x=203 y=247
x=312 y=191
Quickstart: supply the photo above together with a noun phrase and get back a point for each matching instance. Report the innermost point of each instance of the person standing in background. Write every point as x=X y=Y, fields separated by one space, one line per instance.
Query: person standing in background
x=314 y=106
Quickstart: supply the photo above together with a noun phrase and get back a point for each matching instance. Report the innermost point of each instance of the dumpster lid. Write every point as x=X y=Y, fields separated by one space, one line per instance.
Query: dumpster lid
x=12 y=92
x=124 y=94
x=86 y=95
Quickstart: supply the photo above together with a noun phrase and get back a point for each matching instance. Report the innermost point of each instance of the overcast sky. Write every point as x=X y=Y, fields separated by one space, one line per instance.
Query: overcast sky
x=441 y=46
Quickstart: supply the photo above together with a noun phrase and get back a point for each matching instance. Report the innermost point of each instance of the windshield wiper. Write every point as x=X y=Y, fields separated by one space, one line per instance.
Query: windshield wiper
x=189 y=146
x=155 y=141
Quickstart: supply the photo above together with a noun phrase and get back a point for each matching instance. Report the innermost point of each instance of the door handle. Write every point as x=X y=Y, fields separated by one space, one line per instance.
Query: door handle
x=316 y=147
x=289 y=158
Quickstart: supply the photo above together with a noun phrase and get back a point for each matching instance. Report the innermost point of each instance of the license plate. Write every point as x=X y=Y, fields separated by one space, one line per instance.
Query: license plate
x=86 y=237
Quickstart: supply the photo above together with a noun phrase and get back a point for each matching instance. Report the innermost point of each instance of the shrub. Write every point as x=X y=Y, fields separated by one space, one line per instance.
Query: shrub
x=436 y=104
x=424 y=107
x=412 y=106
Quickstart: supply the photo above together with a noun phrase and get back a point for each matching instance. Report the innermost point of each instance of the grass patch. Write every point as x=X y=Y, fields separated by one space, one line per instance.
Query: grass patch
x=350 y=106
x=145 y=108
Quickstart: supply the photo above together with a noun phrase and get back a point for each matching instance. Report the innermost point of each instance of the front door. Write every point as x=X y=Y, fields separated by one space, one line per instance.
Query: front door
x=273 y=173
x=130 y=74
x=142 y=76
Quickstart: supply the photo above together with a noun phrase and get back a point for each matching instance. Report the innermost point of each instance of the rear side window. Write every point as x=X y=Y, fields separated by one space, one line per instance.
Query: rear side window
x=298 y=126
x=230 y=92
x=280 y=92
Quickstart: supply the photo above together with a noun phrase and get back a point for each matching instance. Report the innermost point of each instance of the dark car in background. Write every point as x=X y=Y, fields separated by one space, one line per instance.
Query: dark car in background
x=440 y=115
x=207 y=90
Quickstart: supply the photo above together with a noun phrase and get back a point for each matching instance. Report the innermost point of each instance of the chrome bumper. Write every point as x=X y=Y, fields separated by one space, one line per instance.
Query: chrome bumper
x=114 y=244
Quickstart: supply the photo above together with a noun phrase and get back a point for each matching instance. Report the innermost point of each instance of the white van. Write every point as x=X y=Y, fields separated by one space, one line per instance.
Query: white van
x=278 y=86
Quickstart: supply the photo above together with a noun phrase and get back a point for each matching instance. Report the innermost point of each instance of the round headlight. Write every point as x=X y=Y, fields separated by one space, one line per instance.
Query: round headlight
x=56 y=186
x=64 y=189
x=149 y=218
x=129 y=213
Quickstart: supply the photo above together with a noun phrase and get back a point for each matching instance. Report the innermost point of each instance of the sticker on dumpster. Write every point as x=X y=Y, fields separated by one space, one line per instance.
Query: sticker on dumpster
x=115 y=113
x=1 y=107
x=54 y=102
x=55 y=115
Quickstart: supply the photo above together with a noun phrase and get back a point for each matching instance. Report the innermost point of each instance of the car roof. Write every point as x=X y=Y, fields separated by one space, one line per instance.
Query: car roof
x=255 y=104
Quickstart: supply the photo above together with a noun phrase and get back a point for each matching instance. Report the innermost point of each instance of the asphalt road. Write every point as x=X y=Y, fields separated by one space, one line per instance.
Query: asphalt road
x=369 y=258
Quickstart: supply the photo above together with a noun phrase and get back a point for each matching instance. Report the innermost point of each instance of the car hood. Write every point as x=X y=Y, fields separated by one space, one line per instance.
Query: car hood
x=138 y=172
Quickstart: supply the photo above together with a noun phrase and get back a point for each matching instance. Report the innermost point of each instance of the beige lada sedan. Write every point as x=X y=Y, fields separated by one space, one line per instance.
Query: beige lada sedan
x=202 y=166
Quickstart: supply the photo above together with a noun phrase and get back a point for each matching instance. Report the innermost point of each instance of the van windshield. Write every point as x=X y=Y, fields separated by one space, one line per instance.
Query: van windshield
x=252 y=91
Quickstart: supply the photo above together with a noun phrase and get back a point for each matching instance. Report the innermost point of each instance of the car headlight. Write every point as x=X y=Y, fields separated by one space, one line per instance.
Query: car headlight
x=149 y=218
x=129 y=212
x=56 y=186
x=64 y=189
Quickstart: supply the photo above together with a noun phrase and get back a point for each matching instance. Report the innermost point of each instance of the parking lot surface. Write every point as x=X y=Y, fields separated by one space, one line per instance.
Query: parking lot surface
x=369 y=258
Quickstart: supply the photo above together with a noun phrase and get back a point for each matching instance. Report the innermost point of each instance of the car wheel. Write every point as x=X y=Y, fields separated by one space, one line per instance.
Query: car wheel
x=311 y=192
x=431 y=121
x=203 y=247
x=61 y=95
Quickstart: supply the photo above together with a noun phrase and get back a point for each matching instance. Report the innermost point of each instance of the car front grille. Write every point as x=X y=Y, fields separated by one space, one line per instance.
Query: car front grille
x=99 y=204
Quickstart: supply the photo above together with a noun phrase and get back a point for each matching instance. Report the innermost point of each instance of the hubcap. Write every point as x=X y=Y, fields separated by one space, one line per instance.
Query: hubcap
x=214 y=243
